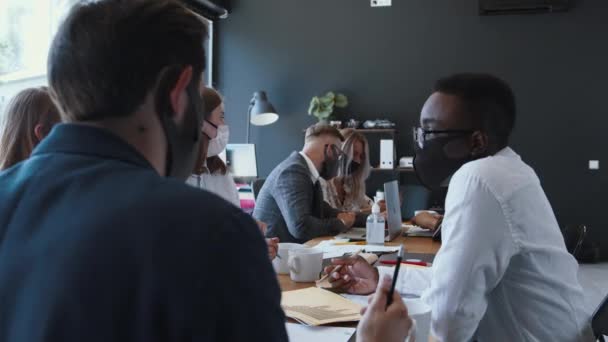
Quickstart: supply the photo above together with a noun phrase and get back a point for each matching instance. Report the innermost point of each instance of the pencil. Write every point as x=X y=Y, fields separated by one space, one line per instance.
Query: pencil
x=339 y=266
x=350 y=243
x=409 y=262
x=389 y=300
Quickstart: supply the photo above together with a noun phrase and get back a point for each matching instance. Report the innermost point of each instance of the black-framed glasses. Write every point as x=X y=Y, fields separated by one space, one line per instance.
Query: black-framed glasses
x=421 y=135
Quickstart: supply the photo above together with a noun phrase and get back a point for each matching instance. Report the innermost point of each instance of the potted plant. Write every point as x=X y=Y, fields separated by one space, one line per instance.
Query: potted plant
x=322 y=107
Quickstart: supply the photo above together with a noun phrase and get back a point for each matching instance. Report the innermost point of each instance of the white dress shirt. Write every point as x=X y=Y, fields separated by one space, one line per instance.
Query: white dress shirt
x=221 y=185
x=503 y=272
x=314 y=173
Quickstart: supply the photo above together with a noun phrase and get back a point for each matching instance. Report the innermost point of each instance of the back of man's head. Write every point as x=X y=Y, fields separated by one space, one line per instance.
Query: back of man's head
x=108 y=55
x=488 y=100
x=320 y=131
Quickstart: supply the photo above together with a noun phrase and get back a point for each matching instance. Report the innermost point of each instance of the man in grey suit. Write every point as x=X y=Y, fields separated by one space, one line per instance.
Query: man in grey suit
x=291 y=200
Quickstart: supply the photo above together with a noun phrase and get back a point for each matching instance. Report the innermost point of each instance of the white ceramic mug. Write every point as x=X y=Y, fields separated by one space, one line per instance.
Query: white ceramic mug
x=421 y=313
x=305 y=264
x=280 y=262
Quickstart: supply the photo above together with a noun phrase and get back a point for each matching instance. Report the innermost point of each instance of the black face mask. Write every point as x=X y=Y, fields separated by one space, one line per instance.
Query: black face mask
x=330 y=167
x=183 y=145
x=433 y=165
x=354 y=166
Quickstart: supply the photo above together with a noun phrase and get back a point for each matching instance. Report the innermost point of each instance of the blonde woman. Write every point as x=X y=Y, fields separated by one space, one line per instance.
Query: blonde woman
x=347 y=190
x=29 y=117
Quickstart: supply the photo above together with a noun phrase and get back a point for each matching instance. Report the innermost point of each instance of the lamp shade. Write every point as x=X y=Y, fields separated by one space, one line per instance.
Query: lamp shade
x=261 y=111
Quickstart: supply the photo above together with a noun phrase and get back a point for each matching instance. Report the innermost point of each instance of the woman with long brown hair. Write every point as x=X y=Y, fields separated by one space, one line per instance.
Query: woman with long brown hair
x=346 y=191
x=29 y=117
x=210 y=173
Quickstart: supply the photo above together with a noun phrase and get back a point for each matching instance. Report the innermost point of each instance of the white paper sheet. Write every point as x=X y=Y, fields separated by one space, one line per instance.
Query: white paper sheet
x=359 y=299
x=363 y=299
x=303 y=333
x=334 y=251
x=412 y=280
x=417 y=231
x=417 y=309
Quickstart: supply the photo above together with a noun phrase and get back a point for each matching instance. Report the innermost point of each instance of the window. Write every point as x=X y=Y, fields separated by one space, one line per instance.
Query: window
x=26 y=30
x=209 y=77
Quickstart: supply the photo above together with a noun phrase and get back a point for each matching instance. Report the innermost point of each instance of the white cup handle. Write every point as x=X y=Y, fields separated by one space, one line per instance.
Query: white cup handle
x=294 y=264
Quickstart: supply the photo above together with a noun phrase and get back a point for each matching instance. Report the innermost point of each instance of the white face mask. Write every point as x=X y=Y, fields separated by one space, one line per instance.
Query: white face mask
x=218 y=144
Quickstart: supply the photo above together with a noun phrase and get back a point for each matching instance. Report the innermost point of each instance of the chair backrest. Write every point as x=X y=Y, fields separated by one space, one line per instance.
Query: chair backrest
x=574 y=235
x=414 y=197
x=599 y=322
x=256 y=186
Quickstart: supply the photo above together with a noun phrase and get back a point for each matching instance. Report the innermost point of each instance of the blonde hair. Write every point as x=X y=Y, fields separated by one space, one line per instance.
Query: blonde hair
x=355 y=181
x=26 y=110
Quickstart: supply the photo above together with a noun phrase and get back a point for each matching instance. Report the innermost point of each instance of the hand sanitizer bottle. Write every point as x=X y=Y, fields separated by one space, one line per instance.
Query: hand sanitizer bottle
x=375 y=226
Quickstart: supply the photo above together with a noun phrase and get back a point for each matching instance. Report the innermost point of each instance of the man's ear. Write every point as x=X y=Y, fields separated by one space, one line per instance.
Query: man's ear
x=327 y=150
x=480 y=144
x=178 y=95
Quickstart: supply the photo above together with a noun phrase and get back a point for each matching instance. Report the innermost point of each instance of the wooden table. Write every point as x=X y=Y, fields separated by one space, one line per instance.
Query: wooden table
x=411 y=244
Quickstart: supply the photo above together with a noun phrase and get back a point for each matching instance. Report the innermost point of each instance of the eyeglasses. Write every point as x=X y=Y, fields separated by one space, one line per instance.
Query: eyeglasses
x=421 y=135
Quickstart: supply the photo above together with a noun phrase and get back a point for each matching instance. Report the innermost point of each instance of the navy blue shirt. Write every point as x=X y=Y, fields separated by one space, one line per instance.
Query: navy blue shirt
x=96 y=246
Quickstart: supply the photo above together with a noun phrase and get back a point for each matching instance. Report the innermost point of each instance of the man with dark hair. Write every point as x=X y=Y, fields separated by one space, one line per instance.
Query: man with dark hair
x=291 y=201
x=503 y=272
x=100 y=238
x=489 y=101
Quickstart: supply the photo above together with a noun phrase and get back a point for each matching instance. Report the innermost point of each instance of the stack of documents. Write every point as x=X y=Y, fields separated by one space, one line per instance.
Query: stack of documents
x=335 y=248
x=315 y=306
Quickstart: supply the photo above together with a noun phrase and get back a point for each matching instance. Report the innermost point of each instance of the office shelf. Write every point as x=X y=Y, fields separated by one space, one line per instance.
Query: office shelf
x=400 y=169
x=377 y=130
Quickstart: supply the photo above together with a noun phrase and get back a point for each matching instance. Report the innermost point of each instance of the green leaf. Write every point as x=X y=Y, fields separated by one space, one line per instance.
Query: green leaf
x=328 y=99
x=322 y=111
x=314 y=106
x=341 y=101
x=322 y=107
x=324 y=114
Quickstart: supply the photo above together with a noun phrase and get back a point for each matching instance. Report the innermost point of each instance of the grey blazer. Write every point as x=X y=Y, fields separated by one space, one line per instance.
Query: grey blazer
x=293 y=207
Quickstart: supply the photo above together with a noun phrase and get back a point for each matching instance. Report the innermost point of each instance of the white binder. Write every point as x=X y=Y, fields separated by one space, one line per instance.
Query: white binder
x=387 y=154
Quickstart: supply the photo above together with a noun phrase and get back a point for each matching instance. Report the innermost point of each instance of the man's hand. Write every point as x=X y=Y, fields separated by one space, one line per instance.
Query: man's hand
x=273 y=247
x=353 y=275
x=381 y=323
x=426 y=220
x=347 y=218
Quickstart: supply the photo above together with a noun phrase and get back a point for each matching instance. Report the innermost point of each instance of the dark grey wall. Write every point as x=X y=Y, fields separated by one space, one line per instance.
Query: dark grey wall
x=386 y=60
